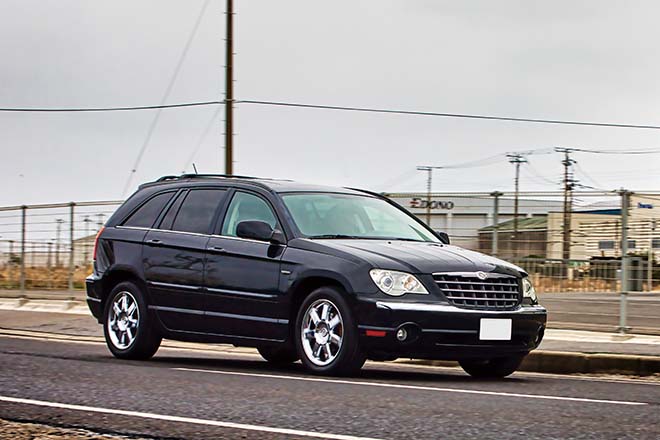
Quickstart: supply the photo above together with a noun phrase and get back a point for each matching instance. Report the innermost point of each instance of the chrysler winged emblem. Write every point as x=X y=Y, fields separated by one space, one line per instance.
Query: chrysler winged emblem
x=482 y=275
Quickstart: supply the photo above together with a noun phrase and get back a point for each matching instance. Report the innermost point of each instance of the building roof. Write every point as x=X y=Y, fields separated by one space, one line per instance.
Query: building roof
x=524 y=224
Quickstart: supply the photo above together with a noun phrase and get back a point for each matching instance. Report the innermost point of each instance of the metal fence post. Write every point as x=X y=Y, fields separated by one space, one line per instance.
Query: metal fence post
x=496 y=220
x=23 y=219
x=625 y=275
x=11 y=264
x=71 y=233
x=650 y=258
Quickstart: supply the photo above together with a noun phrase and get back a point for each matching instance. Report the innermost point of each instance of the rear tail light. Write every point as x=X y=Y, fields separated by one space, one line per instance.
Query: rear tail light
x=96 y=242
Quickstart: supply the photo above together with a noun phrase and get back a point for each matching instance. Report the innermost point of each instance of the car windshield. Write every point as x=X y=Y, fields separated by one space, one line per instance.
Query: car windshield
x=329 y=215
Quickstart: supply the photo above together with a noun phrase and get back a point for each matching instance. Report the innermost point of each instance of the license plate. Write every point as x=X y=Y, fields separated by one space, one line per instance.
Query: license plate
x=495 y=329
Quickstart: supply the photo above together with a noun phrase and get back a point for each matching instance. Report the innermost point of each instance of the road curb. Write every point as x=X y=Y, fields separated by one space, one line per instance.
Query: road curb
x=564 y=362
x=541 y=361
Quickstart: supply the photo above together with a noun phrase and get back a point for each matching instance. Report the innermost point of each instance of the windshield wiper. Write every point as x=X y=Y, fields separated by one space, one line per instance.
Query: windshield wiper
x=331 y=236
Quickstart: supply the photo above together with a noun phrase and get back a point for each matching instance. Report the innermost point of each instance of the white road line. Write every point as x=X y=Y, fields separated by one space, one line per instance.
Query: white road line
x=191 y=420
x=69 y=339
x=414 y=387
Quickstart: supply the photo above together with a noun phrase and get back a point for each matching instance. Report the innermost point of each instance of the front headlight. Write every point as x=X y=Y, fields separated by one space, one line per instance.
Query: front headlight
x=396 y=283
x=529 y=291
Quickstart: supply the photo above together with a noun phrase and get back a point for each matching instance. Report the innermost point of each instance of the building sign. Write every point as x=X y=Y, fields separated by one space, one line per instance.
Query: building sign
x=417 y=202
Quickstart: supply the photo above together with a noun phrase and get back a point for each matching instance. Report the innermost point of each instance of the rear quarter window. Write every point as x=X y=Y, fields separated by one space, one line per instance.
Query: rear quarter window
x=147 y=214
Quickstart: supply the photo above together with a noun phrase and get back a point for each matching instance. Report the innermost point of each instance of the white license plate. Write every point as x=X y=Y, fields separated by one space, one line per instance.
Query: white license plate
x=495 y=329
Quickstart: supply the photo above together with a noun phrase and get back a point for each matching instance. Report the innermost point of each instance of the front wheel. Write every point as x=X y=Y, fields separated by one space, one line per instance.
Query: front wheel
x=127 y=329
x=492 y=368
x=327 y=335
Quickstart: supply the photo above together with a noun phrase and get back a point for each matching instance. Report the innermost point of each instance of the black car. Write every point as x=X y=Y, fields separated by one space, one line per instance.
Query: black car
x=330 y=276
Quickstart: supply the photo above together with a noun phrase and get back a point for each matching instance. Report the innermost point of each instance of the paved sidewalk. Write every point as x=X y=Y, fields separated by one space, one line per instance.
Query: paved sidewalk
x=598 y=312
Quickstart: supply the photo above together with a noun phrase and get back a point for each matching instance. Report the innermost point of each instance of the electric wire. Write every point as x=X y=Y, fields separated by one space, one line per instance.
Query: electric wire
x=111 y=109
x=168 y=91
x=365 y=110
x=447 y=115
x=201 y=139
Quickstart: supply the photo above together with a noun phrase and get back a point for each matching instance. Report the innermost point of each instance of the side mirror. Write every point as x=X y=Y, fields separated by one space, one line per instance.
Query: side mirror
x=258 y=230
x=443 y=236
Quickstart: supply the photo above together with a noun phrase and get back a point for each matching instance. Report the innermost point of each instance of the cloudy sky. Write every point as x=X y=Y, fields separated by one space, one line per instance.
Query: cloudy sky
x=587 y=60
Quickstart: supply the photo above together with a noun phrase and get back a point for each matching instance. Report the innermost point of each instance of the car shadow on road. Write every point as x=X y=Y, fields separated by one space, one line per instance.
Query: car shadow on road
x=389 y=372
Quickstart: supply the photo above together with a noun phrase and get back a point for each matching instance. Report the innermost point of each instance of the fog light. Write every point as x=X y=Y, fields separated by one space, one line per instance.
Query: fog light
x=401 y=334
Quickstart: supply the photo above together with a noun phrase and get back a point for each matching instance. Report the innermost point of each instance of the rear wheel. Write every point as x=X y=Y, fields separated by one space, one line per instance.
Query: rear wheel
x=492 y=368
x=327 y=335
x=127 y=328
x=278 y=355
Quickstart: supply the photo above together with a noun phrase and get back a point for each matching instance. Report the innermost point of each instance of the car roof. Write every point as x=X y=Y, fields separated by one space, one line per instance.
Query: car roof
x=274 y=185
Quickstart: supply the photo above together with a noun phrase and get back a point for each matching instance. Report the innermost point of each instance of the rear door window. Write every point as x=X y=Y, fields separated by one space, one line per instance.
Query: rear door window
x=198 y=210
x=146 y=215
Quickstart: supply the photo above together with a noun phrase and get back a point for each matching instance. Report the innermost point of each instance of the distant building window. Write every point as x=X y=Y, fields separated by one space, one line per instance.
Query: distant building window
x=655 y=243
x=632 y=244
x=604 y=245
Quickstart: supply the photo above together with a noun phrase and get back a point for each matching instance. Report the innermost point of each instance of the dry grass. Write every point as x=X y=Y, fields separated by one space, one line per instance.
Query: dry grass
x=40 y=278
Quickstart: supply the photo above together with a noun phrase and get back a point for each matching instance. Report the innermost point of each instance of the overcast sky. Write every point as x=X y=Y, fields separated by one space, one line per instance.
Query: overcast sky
x=586 y=60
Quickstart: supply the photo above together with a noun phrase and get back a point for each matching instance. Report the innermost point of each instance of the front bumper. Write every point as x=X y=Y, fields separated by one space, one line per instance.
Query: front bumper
x=443 y=331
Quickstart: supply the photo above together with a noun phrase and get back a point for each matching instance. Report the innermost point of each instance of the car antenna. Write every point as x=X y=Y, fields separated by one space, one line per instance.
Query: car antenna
x=195 y=168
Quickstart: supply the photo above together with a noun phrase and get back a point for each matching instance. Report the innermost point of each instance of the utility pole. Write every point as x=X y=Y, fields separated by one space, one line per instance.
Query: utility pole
x=429 y=183
x=496 y=221
x=59 y=223
x=516 y=159
x=568 y=201
x=229 y=90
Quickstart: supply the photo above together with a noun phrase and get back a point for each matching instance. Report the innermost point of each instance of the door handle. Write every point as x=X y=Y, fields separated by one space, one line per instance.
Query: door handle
x=216 y=249
x=154 y=241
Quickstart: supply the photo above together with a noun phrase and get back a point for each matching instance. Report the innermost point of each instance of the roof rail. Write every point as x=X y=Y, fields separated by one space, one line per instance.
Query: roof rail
x=192 y=176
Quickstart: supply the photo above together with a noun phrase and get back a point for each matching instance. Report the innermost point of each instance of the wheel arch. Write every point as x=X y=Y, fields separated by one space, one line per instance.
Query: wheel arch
x=117 y=275
x=305 y=286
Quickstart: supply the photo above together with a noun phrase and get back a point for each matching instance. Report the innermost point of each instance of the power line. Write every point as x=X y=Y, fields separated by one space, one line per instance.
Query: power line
x=201 y=139
x=166 y=96
x=624 y=151
x=448 y=115
x=369 y=110
x=579 y=168
x=109 y=109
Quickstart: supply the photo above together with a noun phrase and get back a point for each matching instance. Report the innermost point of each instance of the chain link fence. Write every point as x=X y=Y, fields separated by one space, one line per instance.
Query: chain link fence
x=583 y=241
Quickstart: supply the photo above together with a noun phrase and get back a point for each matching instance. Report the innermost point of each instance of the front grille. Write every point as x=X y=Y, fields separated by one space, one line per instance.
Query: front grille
x=495 y=292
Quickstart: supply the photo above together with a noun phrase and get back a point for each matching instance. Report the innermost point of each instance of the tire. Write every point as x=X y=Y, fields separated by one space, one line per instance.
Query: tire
x=333 y=335
x=127 y=327
x=277 y=355
x=495 y=368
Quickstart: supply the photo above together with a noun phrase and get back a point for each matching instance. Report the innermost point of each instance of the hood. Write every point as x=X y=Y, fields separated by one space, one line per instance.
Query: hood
x=419 y=257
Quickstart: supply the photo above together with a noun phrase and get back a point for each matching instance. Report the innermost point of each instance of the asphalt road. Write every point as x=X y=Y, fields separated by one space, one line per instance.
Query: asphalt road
x=187 y=393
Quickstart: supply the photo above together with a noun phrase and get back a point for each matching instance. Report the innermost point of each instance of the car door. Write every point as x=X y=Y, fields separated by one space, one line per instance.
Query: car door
x=242 y=276
x=174 y=256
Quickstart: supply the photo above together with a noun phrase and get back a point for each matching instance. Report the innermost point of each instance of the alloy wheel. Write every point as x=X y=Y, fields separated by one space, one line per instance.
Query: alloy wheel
x=322 y=332
x=123 y=320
